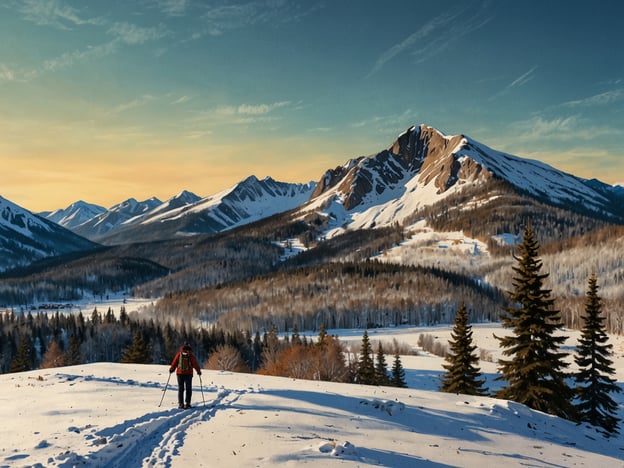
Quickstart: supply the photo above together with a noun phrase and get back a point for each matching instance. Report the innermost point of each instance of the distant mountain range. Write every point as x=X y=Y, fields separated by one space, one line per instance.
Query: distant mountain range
x=186 y=213
x=422 y=168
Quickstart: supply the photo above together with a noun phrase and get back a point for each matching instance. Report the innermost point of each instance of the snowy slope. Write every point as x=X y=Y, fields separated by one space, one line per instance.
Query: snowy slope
x=26 y=237
x=248 y=201
x=535 y=177
x=109 y=415
x=74 y=215
x=115 y=216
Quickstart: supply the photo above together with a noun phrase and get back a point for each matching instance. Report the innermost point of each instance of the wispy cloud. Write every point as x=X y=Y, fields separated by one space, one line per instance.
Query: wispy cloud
x=261 y=109
x=539 y=127
x=173 y=7
x=602 y=99
x=523 y=79
x=53 y=13
x=6 y=74
x=123 y=34
x=134 y=103
x=517 y=82
x=243 y=113
x=559 y=128
x=433 y=37
x=386 y=122
x=251 y=109
x=132 y=34
x=217 y=20
x=68 y=59
x=181 y=100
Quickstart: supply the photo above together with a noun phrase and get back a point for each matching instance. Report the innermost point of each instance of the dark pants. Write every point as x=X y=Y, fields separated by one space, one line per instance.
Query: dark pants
x=185 y=381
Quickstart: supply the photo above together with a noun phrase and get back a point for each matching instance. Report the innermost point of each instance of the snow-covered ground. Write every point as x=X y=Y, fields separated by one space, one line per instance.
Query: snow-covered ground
x=109 y=415
x=449 y=250
x=115 y=301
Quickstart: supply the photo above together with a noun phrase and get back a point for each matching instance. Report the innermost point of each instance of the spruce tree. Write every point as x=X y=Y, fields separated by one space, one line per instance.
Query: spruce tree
x=398 y=373
x=73 y=356
x=321 y=336
x=366 y=366
x=23 y=360
x=381 y=368
x=462 y=371
x=535 y=371
x=138 y=352
x=594 y=377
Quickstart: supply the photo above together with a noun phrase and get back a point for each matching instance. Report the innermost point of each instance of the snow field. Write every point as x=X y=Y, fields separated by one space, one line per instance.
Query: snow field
x=107 y=414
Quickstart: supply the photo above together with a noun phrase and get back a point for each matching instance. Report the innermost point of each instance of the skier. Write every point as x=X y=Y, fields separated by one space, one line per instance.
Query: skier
x=183 y=364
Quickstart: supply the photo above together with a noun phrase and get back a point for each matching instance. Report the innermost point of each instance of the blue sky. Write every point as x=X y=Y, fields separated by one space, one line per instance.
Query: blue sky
x=101 y=101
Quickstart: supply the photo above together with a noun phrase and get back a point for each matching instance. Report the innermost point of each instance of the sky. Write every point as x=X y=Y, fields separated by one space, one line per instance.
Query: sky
x=103 y=101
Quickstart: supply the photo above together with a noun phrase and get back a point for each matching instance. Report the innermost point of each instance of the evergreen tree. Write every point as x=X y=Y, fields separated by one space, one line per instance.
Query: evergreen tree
x=535 y=372
x=366 y=366
x=462 y=371
x=73 y=356
x=123 y=316
x=381 y=368
x=256 y=352
x=398 y=373
x=321 y=336
x=594 y=377
x=138 y=352
x=23 y=360
x=295 y=339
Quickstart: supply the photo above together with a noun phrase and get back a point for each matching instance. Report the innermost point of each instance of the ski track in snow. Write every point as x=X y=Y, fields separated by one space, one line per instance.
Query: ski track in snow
x=149 y=440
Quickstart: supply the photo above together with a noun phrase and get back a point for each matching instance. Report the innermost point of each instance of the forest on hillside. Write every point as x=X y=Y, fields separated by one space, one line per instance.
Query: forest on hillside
x=340 y=295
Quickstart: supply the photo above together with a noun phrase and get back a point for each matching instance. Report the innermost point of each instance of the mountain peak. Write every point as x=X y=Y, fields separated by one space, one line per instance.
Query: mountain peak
x=423 y=166
x=186 y=196
x=26 y=237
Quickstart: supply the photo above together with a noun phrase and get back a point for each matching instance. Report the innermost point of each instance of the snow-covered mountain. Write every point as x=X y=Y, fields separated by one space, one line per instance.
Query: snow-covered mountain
x=419 y=169
x=74 y=215
x=26 y=237
x=424 y=166
x=115 y=216
x=187 y=214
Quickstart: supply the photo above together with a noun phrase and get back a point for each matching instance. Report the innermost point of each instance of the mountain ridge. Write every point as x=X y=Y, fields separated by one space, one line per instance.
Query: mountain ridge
x=419 y=170
x=423 y=167
x=26 y=237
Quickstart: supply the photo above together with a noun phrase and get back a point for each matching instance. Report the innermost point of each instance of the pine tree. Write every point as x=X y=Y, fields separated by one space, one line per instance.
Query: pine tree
x=594 y=377
x=73 y=356
x=381 y=368
x=23 y=360
x=398 y=373
x=138 y=352
x=295 y=339
x=463 y=373
x=321 y=336
x=535 y=372
x=366 y=366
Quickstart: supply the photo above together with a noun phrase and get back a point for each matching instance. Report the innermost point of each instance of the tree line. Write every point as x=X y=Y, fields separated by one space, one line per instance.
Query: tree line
x=39 y=341
x=341 y=295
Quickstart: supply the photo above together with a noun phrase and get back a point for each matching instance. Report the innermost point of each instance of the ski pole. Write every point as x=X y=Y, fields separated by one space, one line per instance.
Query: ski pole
x=165 y=390
x=201 y=386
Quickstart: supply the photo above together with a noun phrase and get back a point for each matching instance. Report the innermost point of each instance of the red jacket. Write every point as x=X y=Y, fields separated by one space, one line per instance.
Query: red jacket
x=193 y=361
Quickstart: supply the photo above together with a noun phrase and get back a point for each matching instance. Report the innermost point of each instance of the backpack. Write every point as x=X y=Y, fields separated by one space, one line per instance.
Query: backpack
x=184 y=363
